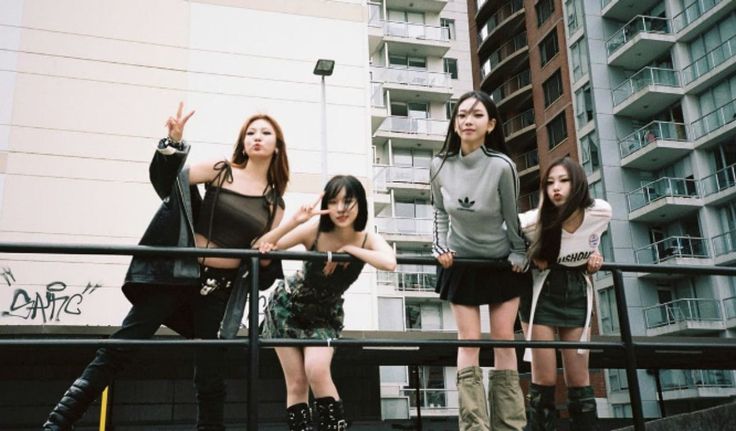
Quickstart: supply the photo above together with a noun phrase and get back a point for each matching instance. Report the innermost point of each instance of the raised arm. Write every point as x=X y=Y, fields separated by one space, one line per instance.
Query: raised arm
x=376 y=253
x=292 y=231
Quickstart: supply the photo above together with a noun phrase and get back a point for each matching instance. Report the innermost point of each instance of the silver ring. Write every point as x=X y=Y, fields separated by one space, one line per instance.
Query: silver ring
x=329 y=256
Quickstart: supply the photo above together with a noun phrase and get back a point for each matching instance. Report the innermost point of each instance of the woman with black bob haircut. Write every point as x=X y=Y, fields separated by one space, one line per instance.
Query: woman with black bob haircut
x=565 y=233
x=475 y=188
x=309 y=304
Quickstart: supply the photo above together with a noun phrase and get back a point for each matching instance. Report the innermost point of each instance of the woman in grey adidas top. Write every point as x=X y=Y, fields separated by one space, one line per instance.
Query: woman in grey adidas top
x=474 y=191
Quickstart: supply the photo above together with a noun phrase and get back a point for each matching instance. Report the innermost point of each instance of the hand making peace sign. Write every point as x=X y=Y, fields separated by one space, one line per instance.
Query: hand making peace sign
x=308 y=211
x=176 y=124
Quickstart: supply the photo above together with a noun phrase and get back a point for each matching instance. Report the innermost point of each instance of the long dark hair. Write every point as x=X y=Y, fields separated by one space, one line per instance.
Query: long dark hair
x=278 y=171
x=353 y=190
x=549 y=225
x=493 y=141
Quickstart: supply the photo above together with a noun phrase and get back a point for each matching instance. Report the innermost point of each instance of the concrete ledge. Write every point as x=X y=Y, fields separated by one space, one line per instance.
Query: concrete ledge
x=720 y=418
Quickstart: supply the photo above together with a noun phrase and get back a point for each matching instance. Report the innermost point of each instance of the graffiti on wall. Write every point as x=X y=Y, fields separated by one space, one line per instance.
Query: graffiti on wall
x=50 y=305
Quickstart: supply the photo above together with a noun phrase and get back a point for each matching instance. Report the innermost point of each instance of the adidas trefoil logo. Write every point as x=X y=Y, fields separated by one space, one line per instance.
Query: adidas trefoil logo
x=466 y=203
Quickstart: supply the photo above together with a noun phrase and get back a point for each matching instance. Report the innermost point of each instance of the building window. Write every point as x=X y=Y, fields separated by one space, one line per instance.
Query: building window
x=448 y=24
x=579 y=59
x=544 y=8
x=549 y=47
x=449 y=107
x=590 y=154
x=584 y=109
x=574 y=9
x=395 y=60
x=617 y=380
x=450 y=66
x=557 y=130
x=552 y=88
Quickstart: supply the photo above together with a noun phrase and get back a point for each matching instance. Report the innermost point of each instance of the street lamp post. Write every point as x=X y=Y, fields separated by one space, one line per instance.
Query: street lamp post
x=324 y=68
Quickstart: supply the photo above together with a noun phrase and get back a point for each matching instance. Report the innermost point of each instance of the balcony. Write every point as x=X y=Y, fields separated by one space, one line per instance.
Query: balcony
x=434 y=6
x=720 y=186
x=508 y=19
x=655 y=145
x=646 y=92
x=710 y=68
x=639 y=42
x=379 y=111
x=527 y=163
x=685 y=384
x=724 y=248
x=410 y=278
x=688 y=316
x=435 y=402
x=714 y=126
x=528 y=201
x=405 y=229
x=729 y=310
x=674 y=250
x=514 y=92
x=664 y=200
x=519 y=127
x=622 y=10
x=504 y=61
x=406 y=84
x=413 y=129
x=410 y=38
x=699 y=16
x=400 y=177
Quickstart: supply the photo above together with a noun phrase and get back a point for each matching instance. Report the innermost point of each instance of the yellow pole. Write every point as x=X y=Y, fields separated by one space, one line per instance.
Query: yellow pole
x=103 y=410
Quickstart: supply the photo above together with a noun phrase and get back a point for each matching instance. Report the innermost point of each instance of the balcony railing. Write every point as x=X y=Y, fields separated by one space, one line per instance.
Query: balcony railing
x=383 y=174
x=519 y=122
x=638 y=24
x=410 y=278
x=377 y=99
x=651 y=133
x=712 y=59
x=432 y=398
x=415 y=126
x=374 y=15
x=714 y=120
x=673 y=247
x=645 y=77
x=692 y=12
x=511 y=86
x=505 y=51
x=729 y=307
x=501 y=15
x=662 y=188
x=682 y=310
x=691 y=379
x=724 y=243
x=527 y=160
x=721 y=180
x=422 y=78
x=404 y=225
x=412 y=30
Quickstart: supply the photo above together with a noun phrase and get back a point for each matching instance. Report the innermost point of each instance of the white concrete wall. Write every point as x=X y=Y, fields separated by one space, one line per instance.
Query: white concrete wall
x=85 y=88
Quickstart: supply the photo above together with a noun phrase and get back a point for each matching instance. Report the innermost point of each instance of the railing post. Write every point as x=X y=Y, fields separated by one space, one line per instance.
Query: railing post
x=253 y=346
x=631 y=363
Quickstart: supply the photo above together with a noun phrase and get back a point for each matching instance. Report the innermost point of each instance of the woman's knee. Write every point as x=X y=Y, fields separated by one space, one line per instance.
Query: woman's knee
x=317 y=372
x=297 y=384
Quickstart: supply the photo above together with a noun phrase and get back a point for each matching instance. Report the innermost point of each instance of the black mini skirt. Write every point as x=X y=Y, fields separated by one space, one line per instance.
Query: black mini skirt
x=479 y=285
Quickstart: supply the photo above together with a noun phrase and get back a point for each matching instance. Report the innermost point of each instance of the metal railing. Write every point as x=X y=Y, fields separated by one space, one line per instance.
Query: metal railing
x=432 y=399
x=651 y=133
x=411 y=30
x=519 y=122
x=410 y=278
x=683 y=310
x=692 y=12
x=690 y=379
x=506 y=50
x=527 y=160
x=729 y=308
x=409 y=76
x=383 y=174
x=404 y=225
x=714 y=120
x=662 y=188
x=721 y=180
x=377 y=99
x=502 y=14
x=724 y=243
x=414 y=126
x=253 y=343
x=643 y=78
x=519 y=81
x=638 y=24
x=673 y=247
x=709 y=61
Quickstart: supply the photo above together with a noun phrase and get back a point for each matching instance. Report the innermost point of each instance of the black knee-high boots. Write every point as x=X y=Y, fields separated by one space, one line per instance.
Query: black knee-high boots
x=300 y=417
x=331 y=414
